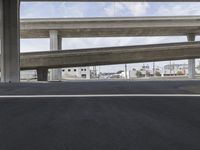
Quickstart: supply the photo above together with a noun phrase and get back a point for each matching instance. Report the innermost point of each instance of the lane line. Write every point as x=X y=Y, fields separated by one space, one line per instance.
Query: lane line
x=100 y=95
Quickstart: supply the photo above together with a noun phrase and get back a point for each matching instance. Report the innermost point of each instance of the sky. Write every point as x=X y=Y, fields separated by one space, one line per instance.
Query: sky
x=103 y=9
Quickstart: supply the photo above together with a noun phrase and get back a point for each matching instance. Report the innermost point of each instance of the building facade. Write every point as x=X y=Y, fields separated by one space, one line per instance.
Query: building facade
x=175 y=70
x=76 y=73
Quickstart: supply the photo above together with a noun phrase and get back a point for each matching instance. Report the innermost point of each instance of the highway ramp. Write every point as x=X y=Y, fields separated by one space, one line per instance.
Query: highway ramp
x=110 y=55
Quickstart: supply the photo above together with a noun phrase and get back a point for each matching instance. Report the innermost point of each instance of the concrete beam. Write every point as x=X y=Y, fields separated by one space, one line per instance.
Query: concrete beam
x=110 y=55
x=111 y=27
x=191 y=62
x=55 y=45
x=9 y=37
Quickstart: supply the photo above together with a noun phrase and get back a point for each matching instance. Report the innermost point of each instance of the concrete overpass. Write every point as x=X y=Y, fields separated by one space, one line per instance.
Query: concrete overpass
x=111 y=27
x=42 y=61
x=57 y=28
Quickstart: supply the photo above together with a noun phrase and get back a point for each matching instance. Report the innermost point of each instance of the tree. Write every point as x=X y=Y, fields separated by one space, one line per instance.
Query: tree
x=158 y=73
x=180 y=73
x=139 y=74
x=148 y=74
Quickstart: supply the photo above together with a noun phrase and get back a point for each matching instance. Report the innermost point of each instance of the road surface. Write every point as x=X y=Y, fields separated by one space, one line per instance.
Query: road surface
x=99 y=119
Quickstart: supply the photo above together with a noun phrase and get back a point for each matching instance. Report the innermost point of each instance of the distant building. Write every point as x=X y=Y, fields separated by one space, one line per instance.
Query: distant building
x=67 y=73
x=28 y=75
x=106 y=75
x=93 y=73
x=132 y=73
x=198 y=69
x=178 y=69
x=76 y=73
x=112 y=75
x=175 y=69
x=145 y=71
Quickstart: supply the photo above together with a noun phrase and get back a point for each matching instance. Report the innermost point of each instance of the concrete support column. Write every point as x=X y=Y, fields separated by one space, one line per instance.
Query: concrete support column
x=191 y=62
x=55 y=45
x=42 y=74
x=10 y=40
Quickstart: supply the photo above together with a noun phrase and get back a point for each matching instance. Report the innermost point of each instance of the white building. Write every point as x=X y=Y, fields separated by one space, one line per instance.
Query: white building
x=76 y=73
x=132 y=73
x=175 y=69
x=28 y=74
x=178 y=69
x=145 y=71
x=67 y=73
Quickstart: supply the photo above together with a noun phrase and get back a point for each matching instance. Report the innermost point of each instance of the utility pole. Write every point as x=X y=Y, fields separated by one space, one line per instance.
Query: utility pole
x=153 y=68
x=94 y=72
x=170 y=68
x=126 y=76
x=99 y=72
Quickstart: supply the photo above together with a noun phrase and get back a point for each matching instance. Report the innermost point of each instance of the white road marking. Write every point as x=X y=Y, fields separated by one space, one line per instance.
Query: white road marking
x=99 y=95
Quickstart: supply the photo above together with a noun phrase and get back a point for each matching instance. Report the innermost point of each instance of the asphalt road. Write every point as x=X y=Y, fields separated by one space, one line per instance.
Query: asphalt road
x=98 y=123
x=102 y=87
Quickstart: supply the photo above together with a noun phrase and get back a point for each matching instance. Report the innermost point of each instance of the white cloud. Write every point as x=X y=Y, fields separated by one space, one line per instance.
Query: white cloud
x=177 y=9
x=127 y=8
x=34 y=45
x=52 y=10
x=138 y=9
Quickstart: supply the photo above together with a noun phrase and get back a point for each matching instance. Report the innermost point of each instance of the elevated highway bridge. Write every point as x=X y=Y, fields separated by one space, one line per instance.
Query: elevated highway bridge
x=111 y=27
x=42 y=61
x=58 y=28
